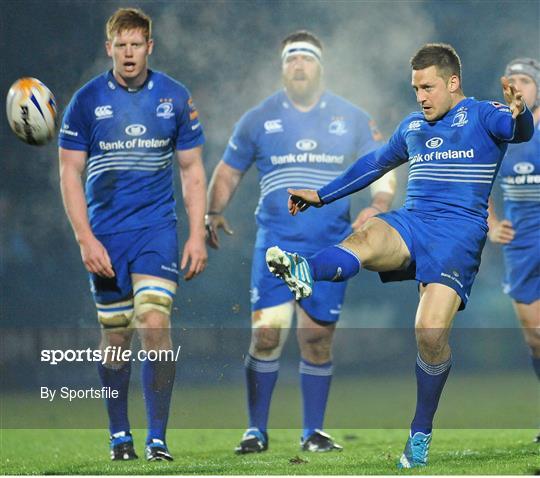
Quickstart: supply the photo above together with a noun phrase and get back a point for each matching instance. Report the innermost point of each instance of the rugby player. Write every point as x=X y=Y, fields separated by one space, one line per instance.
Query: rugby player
x=123 y=130
x=454 y=148
x=519 y=231
x=304 y=136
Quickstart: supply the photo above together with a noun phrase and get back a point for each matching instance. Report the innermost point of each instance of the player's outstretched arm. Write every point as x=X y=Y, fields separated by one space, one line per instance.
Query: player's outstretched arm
x=94 y=255
x=193 y=181
x=223 y=184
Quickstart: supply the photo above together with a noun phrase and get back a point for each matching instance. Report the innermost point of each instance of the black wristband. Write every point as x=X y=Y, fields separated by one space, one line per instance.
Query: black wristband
x=213 y=213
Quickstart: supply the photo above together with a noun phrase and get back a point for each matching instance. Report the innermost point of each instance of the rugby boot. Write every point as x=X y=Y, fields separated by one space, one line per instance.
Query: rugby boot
x=157 y=450
x=319 y=442
x=416 y=451
x=122 y=447
x=253 y=441
x=292 y=269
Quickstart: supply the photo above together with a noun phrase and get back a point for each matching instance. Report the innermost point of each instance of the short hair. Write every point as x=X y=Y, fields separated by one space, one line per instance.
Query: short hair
x=302 y=35
x=441 y=55
x=128 y=19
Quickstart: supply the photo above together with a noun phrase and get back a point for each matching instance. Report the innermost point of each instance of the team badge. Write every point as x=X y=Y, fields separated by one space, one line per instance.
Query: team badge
x=337 y=126
x=460 y=119
x=165 y=110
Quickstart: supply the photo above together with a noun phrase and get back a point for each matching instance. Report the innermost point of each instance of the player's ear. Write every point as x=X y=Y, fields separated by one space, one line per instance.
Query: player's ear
x=150 y=46
x=108 y=48
x=454 y=83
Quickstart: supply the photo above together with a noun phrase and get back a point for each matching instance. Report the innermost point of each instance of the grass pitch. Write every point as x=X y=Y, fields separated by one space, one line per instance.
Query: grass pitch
x=497 y=452
x=483 y=426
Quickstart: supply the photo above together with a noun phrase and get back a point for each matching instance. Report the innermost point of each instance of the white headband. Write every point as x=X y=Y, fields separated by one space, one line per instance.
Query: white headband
x=301 y=48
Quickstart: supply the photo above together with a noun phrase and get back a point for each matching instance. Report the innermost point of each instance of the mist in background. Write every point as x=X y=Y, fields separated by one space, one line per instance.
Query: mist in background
x=227 y=54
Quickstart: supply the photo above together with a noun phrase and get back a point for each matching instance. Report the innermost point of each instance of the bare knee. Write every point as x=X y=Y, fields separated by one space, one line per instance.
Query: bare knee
x=432 y=342
x=270 y=328
x=154 y=330
x=315 y=345
x=264 y=341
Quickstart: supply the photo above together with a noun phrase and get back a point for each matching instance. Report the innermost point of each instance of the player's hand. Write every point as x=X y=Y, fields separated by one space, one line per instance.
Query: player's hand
x=195 y=255
x=363 y=216
x=513 y=97
x=301 y=199
x=502 y=232
x=95 y=257
x=213 y=222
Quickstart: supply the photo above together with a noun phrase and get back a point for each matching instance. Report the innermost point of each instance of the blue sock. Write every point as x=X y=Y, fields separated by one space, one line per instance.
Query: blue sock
x=117 y=408
x=430 y=380
x=157 y=382
x=315 y=382
x=334 y=263
x=261 y=377
x=536 y=365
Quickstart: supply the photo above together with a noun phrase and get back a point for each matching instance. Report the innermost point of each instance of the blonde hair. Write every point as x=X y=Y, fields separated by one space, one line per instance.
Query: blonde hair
x=128 y=19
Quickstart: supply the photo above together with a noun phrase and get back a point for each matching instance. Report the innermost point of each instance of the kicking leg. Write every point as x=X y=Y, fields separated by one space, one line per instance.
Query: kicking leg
x=377 y=247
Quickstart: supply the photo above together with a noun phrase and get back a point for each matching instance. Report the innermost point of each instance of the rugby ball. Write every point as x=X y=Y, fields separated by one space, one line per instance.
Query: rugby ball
x=31 y=111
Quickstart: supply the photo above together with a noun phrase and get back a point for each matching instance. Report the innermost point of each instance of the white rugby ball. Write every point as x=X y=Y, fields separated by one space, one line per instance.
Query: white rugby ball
x=31 y=111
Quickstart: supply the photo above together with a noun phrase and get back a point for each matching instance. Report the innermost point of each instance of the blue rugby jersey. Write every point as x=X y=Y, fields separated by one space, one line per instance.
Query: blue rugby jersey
x=130 y=139
x=520 y=182
x=452 y=161
x=294 y=149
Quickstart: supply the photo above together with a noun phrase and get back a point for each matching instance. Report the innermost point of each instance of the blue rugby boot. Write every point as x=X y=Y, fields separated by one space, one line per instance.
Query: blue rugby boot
x=416 y=451
x=253 y=441
x=122 y=447
x=292 y=269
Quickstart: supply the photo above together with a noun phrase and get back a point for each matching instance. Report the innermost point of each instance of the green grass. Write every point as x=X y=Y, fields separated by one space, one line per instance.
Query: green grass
x=497 y=452
x=484 y=425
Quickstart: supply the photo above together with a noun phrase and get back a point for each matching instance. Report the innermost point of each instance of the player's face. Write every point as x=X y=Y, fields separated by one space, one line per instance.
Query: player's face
x=433 y=93
x=301 y=76
x=526 y=85
x=129 y=51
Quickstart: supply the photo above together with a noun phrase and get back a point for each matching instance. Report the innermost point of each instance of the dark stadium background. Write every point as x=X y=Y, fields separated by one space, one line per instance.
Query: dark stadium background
x=227 y=53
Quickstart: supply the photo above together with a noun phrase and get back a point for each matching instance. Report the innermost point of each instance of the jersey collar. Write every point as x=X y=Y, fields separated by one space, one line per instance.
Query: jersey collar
x=113 y=83
x=287 y=103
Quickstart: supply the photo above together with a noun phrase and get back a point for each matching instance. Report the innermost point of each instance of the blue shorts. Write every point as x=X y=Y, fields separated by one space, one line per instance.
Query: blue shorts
x=522 y=261
x=152 y=251
x=443 y=250
x=324 y=305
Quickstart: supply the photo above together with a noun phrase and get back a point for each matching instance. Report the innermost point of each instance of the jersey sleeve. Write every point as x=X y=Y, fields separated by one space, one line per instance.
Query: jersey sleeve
x=367 y=169
x=240 y=151
x=190 y=132
x=75 y=130
x=498 y=121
